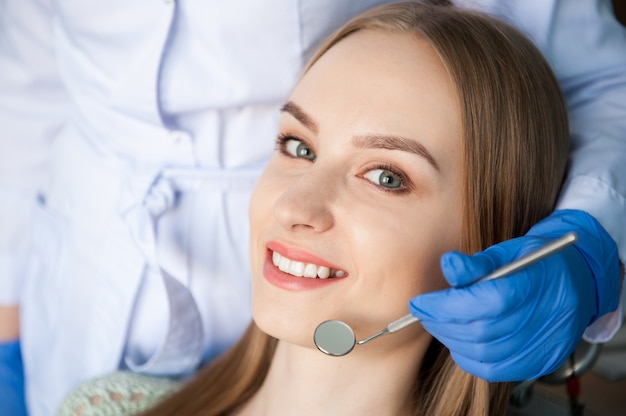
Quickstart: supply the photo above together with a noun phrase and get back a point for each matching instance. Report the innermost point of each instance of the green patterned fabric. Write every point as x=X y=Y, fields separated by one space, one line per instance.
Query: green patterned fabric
x=120 y=393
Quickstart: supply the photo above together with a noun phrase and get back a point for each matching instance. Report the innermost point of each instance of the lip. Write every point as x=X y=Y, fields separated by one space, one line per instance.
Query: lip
x=289 y=282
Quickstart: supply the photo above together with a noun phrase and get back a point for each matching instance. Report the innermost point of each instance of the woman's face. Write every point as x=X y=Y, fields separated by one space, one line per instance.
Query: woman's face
x=363 y=191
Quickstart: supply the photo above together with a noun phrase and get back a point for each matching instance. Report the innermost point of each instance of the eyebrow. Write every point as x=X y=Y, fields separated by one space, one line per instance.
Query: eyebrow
x=299 y=114
x=371 y=141
x=391 y=142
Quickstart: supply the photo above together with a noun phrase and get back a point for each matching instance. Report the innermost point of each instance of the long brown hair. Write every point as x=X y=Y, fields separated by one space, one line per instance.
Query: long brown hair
x=515 y=150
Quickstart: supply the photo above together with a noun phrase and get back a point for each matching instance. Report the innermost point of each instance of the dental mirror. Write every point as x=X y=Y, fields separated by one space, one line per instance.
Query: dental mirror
x=336 y=338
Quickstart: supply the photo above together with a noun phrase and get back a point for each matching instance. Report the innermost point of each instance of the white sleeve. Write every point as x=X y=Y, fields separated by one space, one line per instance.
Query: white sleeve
x=32 y=107
x=588 y=52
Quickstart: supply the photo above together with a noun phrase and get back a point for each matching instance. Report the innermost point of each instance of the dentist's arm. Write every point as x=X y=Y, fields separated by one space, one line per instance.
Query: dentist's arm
x=526 y=325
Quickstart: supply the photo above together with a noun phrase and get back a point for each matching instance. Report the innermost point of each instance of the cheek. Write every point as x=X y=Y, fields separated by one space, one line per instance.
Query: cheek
x=416 y=270
x=265 y=193
x=405 y=251
x=260 y=213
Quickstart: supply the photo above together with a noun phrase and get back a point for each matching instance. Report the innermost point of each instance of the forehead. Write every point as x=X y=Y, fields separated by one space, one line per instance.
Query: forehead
x=380 y=82
x=384 y=59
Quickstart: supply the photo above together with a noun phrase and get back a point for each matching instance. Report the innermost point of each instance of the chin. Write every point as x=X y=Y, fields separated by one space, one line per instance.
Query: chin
x=285 y=328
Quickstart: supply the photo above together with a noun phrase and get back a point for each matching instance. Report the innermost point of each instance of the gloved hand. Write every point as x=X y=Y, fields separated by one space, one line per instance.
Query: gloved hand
x=524 y=325
x=12 y=400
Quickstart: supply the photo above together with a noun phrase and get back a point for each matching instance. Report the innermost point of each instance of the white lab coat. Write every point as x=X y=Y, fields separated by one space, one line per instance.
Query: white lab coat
x=133 y=132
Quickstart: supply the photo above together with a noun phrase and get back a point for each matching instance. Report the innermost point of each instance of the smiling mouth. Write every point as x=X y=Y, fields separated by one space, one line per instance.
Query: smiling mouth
x=301 y=269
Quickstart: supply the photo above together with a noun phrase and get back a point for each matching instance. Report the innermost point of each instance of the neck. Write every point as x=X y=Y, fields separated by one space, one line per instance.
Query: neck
x=369 y=380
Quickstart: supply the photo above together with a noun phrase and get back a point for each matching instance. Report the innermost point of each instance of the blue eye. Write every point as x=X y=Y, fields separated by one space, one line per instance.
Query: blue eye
x=297 y=148
x=385 y=178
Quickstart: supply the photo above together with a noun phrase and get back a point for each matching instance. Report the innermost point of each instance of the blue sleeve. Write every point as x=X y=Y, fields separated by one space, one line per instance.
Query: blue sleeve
x=12 y=380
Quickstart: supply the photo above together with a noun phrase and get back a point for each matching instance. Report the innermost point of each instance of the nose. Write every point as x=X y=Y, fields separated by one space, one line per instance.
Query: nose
x=307 y=203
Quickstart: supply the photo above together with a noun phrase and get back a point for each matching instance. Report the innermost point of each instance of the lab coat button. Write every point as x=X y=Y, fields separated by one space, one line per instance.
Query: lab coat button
x=178 y=136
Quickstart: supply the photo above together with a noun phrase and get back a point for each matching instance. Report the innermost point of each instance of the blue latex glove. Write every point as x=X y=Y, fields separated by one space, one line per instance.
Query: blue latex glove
x=525 y=325
x=12 y=401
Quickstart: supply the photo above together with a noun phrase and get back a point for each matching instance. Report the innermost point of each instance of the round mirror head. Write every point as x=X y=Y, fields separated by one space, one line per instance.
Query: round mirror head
x=334 y=338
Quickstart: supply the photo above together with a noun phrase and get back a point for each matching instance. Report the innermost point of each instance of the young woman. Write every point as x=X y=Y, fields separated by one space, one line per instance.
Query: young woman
x=416 y=130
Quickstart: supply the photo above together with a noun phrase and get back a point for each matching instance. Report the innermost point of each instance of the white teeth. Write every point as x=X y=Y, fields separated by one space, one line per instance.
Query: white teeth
x=284 y=264
x=296 y=268
x=323 y=272
x=310 y=270
x=300 y=269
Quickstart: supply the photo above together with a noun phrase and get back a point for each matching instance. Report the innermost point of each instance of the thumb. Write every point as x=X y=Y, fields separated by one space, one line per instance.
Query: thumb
x=462 y=270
